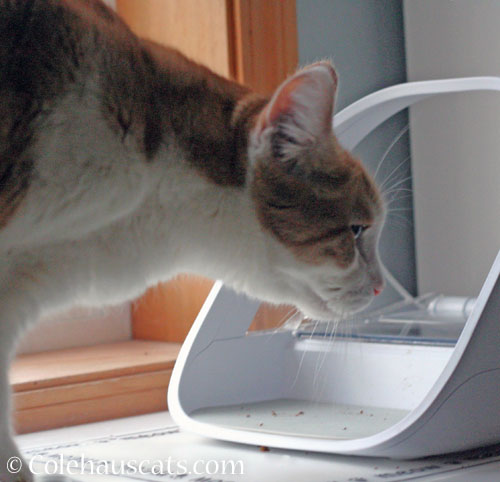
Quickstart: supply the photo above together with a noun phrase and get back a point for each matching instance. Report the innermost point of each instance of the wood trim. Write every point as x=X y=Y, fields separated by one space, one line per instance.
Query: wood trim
x=253 y=41
x=87 y=364
x=83 y=385
x=167 y=311
x=264 y=45
x=199 y=28
x=104 y=402
x=29 y=399
x=269 y=317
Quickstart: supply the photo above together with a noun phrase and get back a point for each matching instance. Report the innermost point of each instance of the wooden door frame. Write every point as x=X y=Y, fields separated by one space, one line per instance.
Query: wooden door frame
x=264 y=45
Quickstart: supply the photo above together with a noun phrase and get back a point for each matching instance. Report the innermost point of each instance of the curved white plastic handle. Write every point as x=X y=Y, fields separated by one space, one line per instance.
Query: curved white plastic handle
x=356 y=121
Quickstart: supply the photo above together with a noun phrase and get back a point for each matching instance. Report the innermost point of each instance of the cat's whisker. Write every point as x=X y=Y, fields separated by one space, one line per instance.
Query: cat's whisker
x=398 y=183
x=395 y=217
x=396 y=203
x=398 y=209
x=400 y=225
x=304 y=352
x=401 y=133
x=401 y=222
x=289 y=315
x=400 y=189
x=292 y=314
x=394 y=170
x=331 y=339
x=397 y=200
x=395 y=182
x=389 y=178
x=399 y=216
x=319 y=358
x=395 y=196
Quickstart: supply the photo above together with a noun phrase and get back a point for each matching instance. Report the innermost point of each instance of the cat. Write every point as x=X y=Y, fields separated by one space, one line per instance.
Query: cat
x=123 y=163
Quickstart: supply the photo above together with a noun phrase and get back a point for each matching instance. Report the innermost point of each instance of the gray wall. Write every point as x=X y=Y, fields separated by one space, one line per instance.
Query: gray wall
x=365 y=40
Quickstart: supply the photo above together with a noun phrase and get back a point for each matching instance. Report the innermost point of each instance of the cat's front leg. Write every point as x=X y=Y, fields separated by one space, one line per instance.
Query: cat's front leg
x=27 y=287
x=14 y=317
x=13 y=468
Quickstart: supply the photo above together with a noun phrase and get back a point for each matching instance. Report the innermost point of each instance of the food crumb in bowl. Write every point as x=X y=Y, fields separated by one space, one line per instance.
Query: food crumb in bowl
x=261 y=424
x=247 y=415
x=361 y=412
x=262 y=448
x=273 y=413
x=299 y=413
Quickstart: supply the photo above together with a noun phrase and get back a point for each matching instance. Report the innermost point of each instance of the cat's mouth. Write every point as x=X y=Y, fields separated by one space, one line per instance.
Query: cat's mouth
x=352 y=303
x=320 y=301
x=338 y=307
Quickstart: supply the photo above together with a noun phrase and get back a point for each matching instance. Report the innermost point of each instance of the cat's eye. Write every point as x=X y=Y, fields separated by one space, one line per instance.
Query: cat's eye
x=358 y=229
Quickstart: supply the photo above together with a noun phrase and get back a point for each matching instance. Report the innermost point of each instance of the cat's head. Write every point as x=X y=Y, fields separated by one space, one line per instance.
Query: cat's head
x=319 y=209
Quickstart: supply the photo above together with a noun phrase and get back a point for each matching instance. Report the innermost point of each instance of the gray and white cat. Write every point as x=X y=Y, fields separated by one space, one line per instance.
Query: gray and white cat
x=122 y=163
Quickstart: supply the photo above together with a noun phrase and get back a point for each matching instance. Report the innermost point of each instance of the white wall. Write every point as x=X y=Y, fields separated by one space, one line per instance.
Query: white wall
x=455 y=143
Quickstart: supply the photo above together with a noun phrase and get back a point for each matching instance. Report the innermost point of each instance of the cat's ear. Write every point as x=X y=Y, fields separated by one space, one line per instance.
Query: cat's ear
x=300 y=111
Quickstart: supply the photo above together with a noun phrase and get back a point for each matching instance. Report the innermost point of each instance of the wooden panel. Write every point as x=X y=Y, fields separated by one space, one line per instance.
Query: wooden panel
x=269 y=316
x=253 y=41
x=77 y=365
x=166 y=312
x=91 y=390
x=199 y=28
x=92 y=410
x=264 y=43
x=82 y=385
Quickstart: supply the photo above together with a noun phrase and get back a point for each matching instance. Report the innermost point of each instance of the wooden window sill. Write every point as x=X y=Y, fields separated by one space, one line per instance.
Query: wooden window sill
x=81 y=385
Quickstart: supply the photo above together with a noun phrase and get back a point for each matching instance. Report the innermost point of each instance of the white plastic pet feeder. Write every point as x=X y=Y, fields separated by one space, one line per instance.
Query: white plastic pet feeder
x=398 y=384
